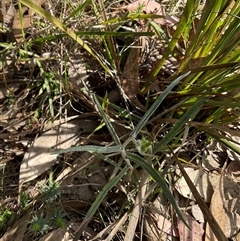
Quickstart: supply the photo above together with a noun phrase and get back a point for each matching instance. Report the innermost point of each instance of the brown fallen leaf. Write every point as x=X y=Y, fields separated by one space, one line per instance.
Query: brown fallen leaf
x=60 y=234
x=194 y=233
x=22 y=21
x=8 y=17
x=2 y=11
x=39 y=157
x=152 y=7
x=233 y=170
x=203 y=181
x=220 y=208
x=204 y=208
x=130 y=79
x=16 y=232
x=197 y=213
x=151 y=231
x=195 y=63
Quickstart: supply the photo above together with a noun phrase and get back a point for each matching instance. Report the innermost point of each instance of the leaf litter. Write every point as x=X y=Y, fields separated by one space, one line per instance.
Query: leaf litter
x=40 y=157
x=226 y=212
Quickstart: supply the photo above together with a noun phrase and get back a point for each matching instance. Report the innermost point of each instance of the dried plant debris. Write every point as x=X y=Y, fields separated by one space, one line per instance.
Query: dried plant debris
x=152 y=7
x=16 y=232
x=196 y=231
x=130 y=79
x=60 y=234
x=40 y=157
x=226 y=212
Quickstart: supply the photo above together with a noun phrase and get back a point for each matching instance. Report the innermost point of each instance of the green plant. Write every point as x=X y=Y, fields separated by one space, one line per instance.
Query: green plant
x=46 y=215
x=196 y=102
x=50 y=191
x=25 y=200
x=5 y=215
x=58 y=219
x=38 y=225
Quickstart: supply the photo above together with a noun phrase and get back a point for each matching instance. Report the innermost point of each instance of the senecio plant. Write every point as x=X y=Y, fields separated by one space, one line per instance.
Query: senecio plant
x=47 y=216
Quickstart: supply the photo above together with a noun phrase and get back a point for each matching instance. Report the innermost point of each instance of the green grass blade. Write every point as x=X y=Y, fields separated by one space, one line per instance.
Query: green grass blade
x=78 y=9
x=156 y=104
x=183 y=22
x=233 y=146
x=60 y=25
x=189 y=115
x=90 y=33
x=107 y=121
x=160 y=181
x=91 y=148
x=103 y=193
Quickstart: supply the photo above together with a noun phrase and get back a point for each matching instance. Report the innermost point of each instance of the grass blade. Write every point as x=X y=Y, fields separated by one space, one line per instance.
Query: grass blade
x=156 y=104
x=160 y=181
x=91 y=148
x=60 y=25
x=103 y=193
x=189 y=115
x=106 y=120
x=183 y=23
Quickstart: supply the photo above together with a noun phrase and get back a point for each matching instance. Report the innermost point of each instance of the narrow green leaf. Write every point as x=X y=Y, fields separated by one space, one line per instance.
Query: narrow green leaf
x=78 y=9
x=155 y=105
x=60 y=25
x=160 y=181
x=233 y=146
x=183 y=22
x=107 y=121
x=91 y=148
x=103 y=193
x=189 y=115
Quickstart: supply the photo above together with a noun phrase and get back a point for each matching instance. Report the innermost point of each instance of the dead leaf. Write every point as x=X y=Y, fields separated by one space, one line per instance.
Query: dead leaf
x=39 y=157
x=194 y=233
x=40 y=2
x=130 y=80
x=228 y=221
x=235 y=141
x=203 y=181
x=233 y=170
x=148 y=7
x=207 y=214
x=2 y=11
x=59 y=234
x=197 y=213
x=8 y=18
x=136 y=211
x=16 y=232
x=237 y=238
x=98 y=180
x=163 y=224
x=150 y=229
x=19 y=27
x=156 y=224
x=152 y=7
x=22 y=21
x=195 y=63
